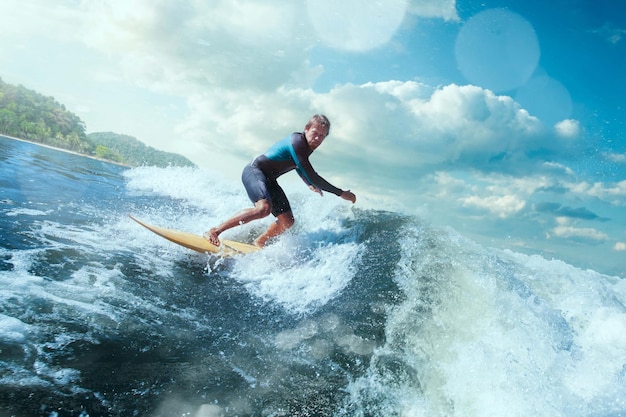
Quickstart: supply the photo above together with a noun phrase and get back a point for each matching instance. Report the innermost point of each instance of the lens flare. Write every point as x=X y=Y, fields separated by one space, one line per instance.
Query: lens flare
x=355 y=25
x=545 y=98
x=497 y=49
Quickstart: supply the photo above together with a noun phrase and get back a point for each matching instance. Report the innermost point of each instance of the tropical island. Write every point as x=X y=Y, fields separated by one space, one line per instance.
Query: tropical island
x=31 y=116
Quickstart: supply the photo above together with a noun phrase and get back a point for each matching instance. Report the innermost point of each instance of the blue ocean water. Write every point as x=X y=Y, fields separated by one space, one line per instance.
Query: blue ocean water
x=357 y=312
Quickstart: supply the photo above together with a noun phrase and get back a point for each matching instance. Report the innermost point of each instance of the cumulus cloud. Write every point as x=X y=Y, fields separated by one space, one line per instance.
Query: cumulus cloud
x=566 y=230
x=501 y=195
x=586 y=233
x=183 y=48
x=460 y=124
x=445 y=9
x=469 y=123
x=619 y=247
x=614 y=193
x=502 y=206
x=551 y=165
x=610 y=33
x=616 y=157
x=567 y=128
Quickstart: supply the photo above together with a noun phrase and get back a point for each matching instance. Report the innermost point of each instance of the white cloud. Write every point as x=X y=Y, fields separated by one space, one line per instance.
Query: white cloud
x=501 y=195
x=239 y=123
x=237 y=45
x=467 y=122
x=177 y=47
x=615 y=193
x=447 y=185
x=567 y=128
x=455 y=123
x=558 y=167
x=616 y=157
x=586 y=233
x=502 y=206
x=445 y=9
x=566 y=230
x=619 y=247
x=611 y=33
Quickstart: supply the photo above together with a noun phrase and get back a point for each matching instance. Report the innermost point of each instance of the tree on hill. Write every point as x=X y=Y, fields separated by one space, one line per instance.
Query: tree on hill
x=32 y=116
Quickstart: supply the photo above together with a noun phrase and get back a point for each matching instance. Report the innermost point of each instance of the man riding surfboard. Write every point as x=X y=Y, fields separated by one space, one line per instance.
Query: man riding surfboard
x=259 y=178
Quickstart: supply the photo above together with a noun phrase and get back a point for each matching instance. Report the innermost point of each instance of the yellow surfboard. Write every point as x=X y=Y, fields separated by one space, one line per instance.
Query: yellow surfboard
x=198 y=243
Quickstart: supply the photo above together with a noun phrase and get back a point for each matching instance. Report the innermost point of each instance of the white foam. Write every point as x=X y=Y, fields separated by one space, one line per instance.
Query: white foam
x=199 y=188
x=209 y=410
x=13 y=330
x=494 y=333
x=26 y=212
x=602 y=360
x=299 y=279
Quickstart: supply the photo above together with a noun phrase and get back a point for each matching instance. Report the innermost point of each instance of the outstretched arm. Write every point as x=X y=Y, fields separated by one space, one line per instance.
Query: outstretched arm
x=348 y=195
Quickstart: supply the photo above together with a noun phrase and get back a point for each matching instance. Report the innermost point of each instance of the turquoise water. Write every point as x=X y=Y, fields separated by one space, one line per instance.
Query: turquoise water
x=355 y=313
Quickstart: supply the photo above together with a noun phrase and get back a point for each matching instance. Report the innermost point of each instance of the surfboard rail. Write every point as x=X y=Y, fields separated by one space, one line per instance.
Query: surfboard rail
x=199 y=243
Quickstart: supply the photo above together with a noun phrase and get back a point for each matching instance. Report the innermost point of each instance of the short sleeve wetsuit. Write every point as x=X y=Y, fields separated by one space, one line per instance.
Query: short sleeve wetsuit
x=259 y=177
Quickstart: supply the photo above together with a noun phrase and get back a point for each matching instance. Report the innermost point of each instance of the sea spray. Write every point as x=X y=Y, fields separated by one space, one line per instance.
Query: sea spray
x=488 y=333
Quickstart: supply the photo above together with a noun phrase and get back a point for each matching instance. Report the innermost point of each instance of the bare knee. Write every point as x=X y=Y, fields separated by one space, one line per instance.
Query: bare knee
x=263 y=208
x=286 y=220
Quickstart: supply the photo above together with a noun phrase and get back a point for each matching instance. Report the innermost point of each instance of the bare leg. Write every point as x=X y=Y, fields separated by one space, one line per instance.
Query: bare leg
x=261 y=209
x=283 y=222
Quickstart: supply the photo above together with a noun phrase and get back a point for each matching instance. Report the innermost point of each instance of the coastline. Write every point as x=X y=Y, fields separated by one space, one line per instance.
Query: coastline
x=66 y=151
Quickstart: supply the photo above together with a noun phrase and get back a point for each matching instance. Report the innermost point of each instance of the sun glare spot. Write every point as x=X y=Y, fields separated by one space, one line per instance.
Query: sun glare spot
x=545 y=98
x=356 y=25
x=497 y=49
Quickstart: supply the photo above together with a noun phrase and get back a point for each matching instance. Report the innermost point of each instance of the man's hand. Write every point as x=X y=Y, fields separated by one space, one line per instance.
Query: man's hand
x=316 y=190
x=348 y=195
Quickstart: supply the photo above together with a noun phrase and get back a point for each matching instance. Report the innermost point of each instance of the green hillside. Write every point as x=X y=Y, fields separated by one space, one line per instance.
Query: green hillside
x=28 y=115
x=127 y=149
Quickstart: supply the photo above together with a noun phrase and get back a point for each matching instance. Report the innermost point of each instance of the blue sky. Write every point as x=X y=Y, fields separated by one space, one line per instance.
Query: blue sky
x=502 y=119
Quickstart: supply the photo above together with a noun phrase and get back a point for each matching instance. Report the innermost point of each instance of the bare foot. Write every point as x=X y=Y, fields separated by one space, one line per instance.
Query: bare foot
x=211 y=236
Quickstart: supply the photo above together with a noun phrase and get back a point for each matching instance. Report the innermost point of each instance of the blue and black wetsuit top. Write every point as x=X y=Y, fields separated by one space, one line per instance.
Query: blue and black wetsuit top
x=292 y=153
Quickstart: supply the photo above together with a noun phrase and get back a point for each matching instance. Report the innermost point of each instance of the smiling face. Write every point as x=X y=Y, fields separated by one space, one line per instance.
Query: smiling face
x=315 y=135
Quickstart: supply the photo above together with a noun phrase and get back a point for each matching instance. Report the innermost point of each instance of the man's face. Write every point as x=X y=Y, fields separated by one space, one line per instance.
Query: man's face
x=315 y=135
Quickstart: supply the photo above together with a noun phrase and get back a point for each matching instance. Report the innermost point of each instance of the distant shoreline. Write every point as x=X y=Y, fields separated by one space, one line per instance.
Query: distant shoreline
x=66 y=151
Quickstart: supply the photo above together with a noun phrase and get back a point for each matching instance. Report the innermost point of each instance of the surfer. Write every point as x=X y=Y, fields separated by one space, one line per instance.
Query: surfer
x=259 y=179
